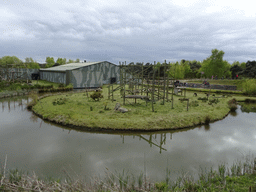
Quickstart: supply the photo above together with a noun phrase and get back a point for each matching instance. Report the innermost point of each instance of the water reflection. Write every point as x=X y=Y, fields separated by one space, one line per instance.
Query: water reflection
x=233 y=113
x=248 y=107
x=13 y=103
x=49 y=149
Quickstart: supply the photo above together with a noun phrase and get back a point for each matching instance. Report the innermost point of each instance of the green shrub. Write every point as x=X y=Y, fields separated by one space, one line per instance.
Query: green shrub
x=162 y=186
x=33 y=102
x=59 y=101
x=61 y=85
x=70 y=86
x=232 y=107
x=249 y=87
x=96 y=96
x=215 y=101
x=194 y=104
x=232 y=104
x=232 y=101
x=203 y=98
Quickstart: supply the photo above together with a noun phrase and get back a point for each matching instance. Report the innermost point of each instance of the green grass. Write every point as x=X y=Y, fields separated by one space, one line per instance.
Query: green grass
x=80 y=110
x=45 y=83
x=240 y=177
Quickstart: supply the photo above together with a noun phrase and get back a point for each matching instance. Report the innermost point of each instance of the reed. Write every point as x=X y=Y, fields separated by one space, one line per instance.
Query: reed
x=239 y=177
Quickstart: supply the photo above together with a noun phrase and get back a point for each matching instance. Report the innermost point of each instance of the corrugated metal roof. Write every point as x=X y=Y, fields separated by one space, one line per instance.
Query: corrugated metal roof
x=70 y=66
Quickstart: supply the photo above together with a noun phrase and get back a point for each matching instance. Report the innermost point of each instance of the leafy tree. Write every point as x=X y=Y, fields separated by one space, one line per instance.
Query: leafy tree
x=186 y=68
x=214 y=65
x=250 y=70
x=235 y=63
x=30 y=63
x=77 y=61
x=10 y=60
x=64 y=61
x=59 y=61
x=205 y=70
x=49 y=62
x=195 y=66
x=226 y=69
x=176 y=71
x=70 y=61
x=243 y=65
x=235 y=69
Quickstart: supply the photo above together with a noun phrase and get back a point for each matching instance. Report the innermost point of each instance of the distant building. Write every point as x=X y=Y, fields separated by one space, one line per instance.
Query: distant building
x=42 y=65
x=82 y=75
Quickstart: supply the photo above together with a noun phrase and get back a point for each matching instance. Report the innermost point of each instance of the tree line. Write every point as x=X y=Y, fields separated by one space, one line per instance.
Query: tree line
x=212 y=67
x=15 y=62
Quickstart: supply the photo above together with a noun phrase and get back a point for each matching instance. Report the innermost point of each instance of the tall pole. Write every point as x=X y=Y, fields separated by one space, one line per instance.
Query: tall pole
x=153 y=91
x=142 y=78
x=124 y=82
x=173 y=85
x=167 y=90
x=121 y=75
x=164 y=81
x=158 y=81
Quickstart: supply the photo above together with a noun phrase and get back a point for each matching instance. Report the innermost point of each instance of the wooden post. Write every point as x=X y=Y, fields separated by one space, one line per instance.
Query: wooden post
x=172 y=92
x=148 y=85
x=153 y=91
x=187 y=104
x=112 y=91
x=121 y=75
x=142 y=78
x=164 y=82
x=167 y=90
x=109 y=91
x=124 y=83
x=158 y=81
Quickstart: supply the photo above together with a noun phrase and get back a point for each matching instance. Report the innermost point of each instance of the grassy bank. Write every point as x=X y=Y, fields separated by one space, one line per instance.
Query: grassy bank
x=240 y=177
x=80 y=110
x=9 y=89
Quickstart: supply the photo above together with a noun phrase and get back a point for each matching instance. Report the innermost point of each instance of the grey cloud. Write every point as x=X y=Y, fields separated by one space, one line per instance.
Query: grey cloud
x=123 y=29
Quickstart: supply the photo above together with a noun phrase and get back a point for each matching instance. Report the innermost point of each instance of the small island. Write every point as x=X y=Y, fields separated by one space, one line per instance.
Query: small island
x=81 y=110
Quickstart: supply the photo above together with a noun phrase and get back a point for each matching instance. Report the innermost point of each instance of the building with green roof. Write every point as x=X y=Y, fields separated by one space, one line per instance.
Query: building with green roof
x=82 y=75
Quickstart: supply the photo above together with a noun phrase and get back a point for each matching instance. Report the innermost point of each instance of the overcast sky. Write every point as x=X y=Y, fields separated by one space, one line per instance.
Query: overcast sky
x=128 y=30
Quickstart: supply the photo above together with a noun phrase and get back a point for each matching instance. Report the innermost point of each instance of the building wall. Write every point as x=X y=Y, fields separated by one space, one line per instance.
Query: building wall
x=93 y=75
x=17 y=73
x=53 y=76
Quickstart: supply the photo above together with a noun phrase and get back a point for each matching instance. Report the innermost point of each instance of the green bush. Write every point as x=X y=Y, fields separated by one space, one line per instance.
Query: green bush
x=96 y=96
x=33 y=102
x=59 y=101
x=69 y=86
x=161 y=186
x=194 y=104
x=232 y=104
x=215 y=101
x=203 y=98
x=249 y=87
x=61 y=85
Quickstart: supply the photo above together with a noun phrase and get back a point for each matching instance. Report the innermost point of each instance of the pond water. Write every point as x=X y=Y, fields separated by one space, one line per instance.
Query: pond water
x=31 y=144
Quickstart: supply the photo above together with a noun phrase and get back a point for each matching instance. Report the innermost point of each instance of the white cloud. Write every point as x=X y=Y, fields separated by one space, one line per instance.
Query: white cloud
x=128 y=29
